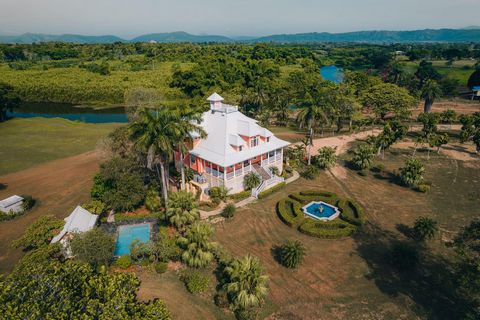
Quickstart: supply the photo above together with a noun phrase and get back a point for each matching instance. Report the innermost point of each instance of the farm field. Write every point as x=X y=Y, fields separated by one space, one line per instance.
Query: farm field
x=29 y=142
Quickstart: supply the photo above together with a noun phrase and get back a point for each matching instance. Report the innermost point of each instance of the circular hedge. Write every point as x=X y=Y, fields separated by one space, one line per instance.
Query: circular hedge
x=351 y=215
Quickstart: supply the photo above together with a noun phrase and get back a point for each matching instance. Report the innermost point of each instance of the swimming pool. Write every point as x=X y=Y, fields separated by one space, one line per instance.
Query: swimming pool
x=127 y=234
x=321 y=210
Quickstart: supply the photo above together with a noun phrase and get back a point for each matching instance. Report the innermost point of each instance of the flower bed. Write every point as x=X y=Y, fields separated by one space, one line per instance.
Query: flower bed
x=351 y=216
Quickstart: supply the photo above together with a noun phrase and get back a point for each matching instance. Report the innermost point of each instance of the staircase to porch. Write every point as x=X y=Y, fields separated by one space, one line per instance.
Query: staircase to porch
x=262 y=172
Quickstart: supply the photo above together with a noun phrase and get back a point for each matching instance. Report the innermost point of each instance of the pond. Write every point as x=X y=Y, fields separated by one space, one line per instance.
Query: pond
x=70 y=112
x=332 y=73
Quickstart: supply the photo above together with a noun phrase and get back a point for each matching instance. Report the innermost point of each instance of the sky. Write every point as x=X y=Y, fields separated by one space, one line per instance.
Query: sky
x=232 y=18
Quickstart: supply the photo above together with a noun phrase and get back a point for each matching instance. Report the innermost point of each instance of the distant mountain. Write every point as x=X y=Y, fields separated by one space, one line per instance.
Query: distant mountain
x=427 y=35
x=471 y=28
x=469 y=34
x=180 y=36
x=75 y=38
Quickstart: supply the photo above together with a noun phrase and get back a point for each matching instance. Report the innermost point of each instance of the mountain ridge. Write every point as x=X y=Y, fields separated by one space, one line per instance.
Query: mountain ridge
x=468 y=34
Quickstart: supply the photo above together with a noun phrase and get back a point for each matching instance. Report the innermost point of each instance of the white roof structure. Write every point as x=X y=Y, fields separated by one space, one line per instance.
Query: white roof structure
x=224 y=126
x=12 y=204
x=80 y=220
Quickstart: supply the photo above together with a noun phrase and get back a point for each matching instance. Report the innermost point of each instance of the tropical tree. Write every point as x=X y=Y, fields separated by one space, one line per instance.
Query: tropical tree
x=363 y=156
x=182 y=209
x=156 y=131
x=8 y=100
x=39 y=233
x=425 y=228
x=448 y=116
x=94 y=247
x=388 y=98
x=251 y=180
x=430 y=92
x=412 y=173
x=438 y=140
x=292 y=253
x=393 y=131
x=246 y=285
x=326 y=158
x=197 y=245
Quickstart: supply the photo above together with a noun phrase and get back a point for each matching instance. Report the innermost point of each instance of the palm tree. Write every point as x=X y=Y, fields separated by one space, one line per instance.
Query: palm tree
x=197 y=245
x=246 y=285
x=363 y=156
x=425 y=228
x=312 y=115
x=430 y=91
x=292 y=253
x=412 y=173
x=189 y=128
x=182 y=209
x=251 y=180
x=326 y=158
x=156 y=131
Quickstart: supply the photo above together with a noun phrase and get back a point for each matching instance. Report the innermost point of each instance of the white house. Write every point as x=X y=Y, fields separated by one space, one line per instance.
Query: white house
x=80 y=220
x=235 y=145
x=13 y=204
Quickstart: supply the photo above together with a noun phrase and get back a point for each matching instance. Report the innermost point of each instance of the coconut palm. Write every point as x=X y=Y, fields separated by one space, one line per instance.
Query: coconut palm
x=326 y=158
x=412 y=173
x=189 y=128
x=425 y=228
x=156 y=132
x=246 y=285
x=292 y=253
x=430 y=91
x=312 y=115
x=251 y=180
x=197 y=245
x=363 y=156
x=182 y=209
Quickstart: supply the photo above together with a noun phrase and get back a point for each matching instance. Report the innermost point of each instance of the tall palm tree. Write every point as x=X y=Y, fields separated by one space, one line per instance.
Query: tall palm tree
x=197 y=245
x=156 y=131
x=189 y=128
x=312 y=115
x=430 y=91
x=246 y=285
x=182 y=209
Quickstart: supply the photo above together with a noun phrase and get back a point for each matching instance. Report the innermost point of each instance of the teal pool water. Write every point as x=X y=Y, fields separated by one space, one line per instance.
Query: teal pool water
x=332 y=73
x=321 y=210
x=127 y=234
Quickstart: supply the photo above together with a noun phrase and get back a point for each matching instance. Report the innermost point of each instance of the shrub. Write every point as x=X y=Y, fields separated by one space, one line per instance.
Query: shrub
x=240 y=196
x=274 y=170
x=39 y=233
x=425 y=228
x=423 y=188
x=351 y=212
x=252 y=180
x=363 y=156
x=325 y=159
x=28 y=203
x=292 y=254
x=221 y=299
x=273 y=189
x=289 y=212
x=194 y=281
x=307 y=196
x=412 y=173
x=228 y=211
x=218 y=194
x=123 y=262
x=161 y=267
x=152 y=200
x=310 y=172
x=95 y=207
x=140 y=252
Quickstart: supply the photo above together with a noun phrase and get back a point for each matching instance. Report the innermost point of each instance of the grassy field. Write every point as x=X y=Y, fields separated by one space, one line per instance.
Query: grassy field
x=28 y=142
x=349 y=278
x=459 y=70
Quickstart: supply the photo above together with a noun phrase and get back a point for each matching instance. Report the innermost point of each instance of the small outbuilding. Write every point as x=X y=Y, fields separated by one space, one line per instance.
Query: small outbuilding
x=13 y=204
x=80 y=220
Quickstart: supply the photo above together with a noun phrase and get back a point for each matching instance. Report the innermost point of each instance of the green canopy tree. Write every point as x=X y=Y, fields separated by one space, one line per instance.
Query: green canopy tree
x=197 y=245
x=94 y=247
x=39 y=233
x=388 y=98
x=8 y=100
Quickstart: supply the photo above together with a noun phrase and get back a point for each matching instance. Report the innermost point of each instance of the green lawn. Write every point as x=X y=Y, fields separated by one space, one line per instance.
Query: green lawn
x=455 y=71
x=28 y=142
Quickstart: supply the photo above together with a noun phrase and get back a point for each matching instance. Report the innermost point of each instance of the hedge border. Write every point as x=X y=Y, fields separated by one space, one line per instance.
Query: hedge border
x=351 y=216
x=273 y=189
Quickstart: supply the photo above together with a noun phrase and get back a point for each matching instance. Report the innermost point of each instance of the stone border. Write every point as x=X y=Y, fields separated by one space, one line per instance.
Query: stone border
x=330 y=218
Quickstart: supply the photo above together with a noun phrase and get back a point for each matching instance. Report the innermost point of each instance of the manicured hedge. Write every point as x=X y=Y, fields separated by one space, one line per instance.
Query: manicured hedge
x=273 y=189
x=289 y=212
x=351 y=212
x=351 y=216
x=241 y=195
x=327 y=230
x=125 y=217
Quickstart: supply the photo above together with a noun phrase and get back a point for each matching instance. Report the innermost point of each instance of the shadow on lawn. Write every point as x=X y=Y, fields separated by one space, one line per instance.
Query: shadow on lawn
x=3 y=186
x=429 y=283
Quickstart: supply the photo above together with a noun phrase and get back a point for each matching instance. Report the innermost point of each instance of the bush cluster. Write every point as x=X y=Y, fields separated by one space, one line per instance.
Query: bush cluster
x=194 y=281
x=123 y=262
x=229 y=211
x=240 y=196
x=273 y=189
x=351 y=212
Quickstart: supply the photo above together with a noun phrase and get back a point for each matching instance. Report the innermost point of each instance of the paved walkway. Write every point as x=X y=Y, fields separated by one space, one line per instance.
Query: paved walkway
x=207 y=214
